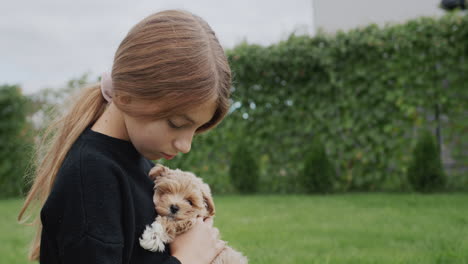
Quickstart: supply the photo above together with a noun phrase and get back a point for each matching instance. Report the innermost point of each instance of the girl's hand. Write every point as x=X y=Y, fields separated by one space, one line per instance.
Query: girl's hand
x=199 y=245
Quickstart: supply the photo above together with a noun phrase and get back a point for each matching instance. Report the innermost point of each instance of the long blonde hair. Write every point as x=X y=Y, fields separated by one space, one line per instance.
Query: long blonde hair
x=172 y=56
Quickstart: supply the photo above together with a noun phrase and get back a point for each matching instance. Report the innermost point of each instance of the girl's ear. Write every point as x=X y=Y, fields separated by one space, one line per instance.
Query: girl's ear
x=123 y=99
x=157 y=171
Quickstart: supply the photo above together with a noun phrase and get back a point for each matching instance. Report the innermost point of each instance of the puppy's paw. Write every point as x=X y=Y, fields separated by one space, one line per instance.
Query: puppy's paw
x=154 y=237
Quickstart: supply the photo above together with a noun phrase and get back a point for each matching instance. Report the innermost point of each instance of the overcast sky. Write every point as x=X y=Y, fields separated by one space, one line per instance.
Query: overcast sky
x=45 y=43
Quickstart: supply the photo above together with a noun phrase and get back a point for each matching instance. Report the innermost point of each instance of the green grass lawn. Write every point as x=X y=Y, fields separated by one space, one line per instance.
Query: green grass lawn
x=348 y=228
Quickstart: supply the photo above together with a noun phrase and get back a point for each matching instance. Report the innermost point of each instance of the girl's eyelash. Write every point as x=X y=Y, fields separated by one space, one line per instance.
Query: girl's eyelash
x=172 y=124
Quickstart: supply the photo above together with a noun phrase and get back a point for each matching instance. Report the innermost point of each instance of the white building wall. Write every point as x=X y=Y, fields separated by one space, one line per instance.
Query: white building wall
x=333 y=15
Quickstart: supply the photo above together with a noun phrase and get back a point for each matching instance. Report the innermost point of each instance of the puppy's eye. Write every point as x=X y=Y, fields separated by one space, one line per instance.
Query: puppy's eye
x=190 y=202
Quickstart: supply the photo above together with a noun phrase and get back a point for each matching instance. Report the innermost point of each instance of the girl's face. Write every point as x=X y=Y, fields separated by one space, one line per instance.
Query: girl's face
x=167 y=137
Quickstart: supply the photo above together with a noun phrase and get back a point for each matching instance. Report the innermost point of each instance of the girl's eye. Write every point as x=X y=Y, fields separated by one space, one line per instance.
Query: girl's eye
x=172 y=124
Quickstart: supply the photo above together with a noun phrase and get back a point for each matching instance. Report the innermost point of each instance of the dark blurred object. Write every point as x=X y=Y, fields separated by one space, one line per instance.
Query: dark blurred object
x=453 y=4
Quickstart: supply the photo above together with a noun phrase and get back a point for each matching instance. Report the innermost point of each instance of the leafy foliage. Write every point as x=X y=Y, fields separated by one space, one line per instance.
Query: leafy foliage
x=319 y=174
x=15 y=141
x=425 y=173
x=364 y=92
x=244 y=170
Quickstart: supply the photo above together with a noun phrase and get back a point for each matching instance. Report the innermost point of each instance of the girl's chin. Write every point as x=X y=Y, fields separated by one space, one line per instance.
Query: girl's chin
x=152 y=156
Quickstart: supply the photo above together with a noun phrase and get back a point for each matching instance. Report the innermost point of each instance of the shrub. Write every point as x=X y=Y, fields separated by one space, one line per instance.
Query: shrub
x=425 y=172
x=244 y=170
x=319 y=174
x=13 y=141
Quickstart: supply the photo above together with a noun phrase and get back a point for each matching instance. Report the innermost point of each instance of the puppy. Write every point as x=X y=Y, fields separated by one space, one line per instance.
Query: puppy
x=179 y=198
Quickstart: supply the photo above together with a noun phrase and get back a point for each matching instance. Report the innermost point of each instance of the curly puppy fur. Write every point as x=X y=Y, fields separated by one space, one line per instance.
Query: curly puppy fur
x=179 y=198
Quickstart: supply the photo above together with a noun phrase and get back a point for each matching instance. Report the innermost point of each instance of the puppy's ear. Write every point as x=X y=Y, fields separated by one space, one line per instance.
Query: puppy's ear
x=157 y=171
x=208 y=199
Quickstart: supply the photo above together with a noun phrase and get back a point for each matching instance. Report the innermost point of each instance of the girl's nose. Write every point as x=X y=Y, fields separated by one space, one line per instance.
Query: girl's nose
x=183 y=145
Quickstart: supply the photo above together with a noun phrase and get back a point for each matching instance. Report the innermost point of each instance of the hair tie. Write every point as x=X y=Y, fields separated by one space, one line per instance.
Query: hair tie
x=107 y=88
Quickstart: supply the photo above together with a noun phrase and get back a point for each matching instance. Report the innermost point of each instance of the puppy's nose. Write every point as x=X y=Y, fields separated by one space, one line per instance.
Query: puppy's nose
x=174 y=209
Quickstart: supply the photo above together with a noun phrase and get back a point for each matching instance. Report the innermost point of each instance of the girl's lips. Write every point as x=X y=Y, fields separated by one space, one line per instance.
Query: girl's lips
x=168 y=157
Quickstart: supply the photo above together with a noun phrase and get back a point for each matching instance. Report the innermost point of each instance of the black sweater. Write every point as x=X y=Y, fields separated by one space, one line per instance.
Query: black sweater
x=100 y=203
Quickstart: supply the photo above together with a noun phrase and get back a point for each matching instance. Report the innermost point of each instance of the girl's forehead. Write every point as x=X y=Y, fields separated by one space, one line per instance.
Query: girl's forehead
x=194 y=114
x=201 y=113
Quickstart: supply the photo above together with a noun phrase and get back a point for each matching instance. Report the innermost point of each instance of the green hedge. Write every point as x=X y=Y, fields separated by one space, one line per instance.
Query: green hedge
x=364 y=93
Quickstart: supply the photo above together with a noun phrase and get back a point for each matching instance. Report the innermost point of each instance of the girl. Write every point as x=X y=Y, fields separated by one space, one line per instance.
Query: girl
x=170 y=80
